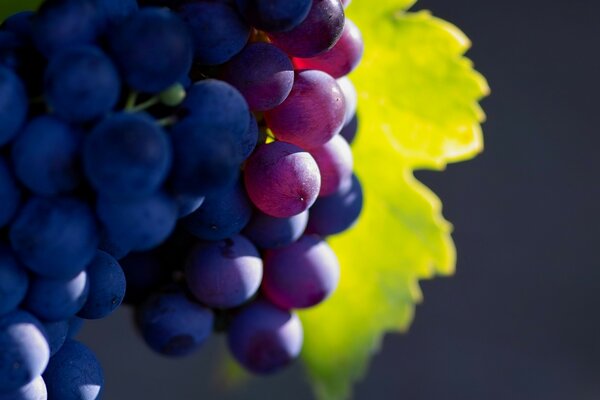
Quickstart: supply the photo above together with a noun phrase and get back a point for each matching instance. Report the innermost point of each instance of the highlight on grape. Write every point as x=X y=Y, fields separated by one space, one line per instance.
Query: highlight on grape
x=185 y=158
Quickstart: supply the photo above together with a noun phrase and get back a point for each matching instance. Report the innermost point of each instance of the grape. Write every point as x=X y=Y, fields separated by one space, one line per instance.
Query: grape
x=338 y=212
x=173 y=325
x=57 y=299
x=318 y=32
x=302 y=274
x=262 y=73
x=13 y=281
x=269 y=232
x=24 y=349
x=74 y=373
x=115 y=12
x=46 y=156
x=109 y=244
x=10 y=46
x=264 y=338
x=281 y=179
x=335 y=162
x=249 y=140
x=127 y=156
x=56 y=333
x=107 y=287
x=19 y=24
x=218 y=32
x=144 y=273
x=13 y=104
x=81 y=84
x=224 y=274
x=55 y=237
x=342 y=58
x=313 y=112
x=75 y=325
x=138 y=224
x=10 y=194
x=350 y=98
x=34 y=390
x=153 y=49
x=60 y=24
x=346 y=3
x=224 y=213
x=187 y=204
x=274 y=15
x=350 y=130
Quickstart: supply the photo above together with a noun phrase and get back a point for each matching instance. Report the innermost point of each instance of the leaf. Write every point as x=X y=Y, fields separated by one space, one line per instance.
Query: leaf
x=9 y=7
x=418 y=108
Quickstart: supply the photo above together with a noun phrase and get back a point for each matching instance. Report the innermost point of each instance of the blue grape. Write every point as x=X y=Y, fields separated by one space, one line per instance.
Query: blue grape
x=270 y=232
x=107 y=287
x=224 y=213
x=274 y=15
x=14 y=280
x=81 y=84
x=57 y=299
x=262 y=73
x=317 y=33
x=46 y=156
x=127 y=156
x=34 y=390
x=218 y=31
x=24 y=349
x=224 y=274
x=10 y=49
x=60 y=24
x=188 y=204
x=302 y=274
x=115 y=12
x=264 y=338
x=55 y=237
x=74 y=373
x=144 y=274
x=173 y=325
x=19 y=24
x=10 y=194
x=338 y=212
x=249 y=139
x=56 y=333
x=153 y=49
x=13 y=104
x=75 y=325
x=138 y=224
x=110 y=245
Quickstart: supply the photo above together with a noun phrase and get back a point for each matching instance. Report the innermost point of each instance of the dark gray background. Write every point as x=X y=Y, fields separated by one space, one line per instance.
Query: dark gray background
x=520 y=319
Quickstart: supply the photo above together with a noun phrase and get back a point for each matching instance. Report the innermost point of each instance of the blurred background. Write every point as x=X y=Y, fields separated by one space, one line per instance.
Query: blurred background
x=521 y=318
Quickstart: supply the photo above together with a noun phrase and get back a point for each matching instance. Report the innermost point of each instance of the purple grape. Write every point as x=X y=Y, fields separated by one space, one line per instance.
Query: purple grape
x=346 y=3
x=24 y=349
x=302 y=274
x=14 y=280
x=264 y=338
x=224 y=274
x=173 y=325
x=335 y=163
x=318 y=32
x=350 y=130
x=262 y=73
x=342 y=58
x=268 y=232
x=313 y=112
x=350 y=97
x=281 y=179
x=34 y=390
x=338 y=212
x=274 y=15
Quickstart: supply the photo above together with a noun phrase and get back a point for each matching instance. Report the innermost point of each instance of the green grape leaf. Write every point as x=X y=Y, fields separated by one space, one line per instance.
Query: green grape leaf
x=9 y=7
x=418 y=107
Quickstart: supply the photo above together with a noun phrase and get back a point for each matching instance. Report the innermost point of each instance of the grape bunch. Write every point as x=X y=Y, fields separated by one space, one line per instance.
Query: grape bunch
x=184 y=157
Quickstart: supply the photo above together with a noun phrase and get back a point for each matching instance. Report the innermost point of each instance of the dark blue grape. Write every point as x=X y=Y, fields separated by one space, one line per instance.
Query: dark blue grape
x=224 y=274
x=19 y=24
x=13 y=280
x=13 y=104
x=249 y=139
x=56 y=333
x=107 y=287
x=138 y=224
x=60 y=24
x=74 y=373
x=115 y=12
x=127 y=156
x=262 y=73
x=153 y=49
x=34 y=390
x=57 y=299
x=224 y=213
x=75 y=325
x=338 y=212
x=55 y=237
x=218 y=31
x=10 y=48
x=23 y=348
x=188 y=204
x=264 y=338
x=81 y=84
x=46 y=156
x=10 y=194
x=109 y=245
x=270 y=232
x=274 y=15
x=173 y=325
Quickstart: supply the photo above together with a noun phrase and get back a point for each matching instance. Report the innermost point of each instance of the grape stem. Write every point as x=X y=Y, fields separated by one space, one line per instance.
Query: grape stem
x=167 y=121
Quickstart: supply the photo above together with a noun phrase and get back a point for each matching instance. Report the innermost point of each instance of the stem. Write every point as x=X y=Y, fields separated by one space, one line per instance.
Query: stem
x=145 y=105
x=167 y=121
x=131 y=100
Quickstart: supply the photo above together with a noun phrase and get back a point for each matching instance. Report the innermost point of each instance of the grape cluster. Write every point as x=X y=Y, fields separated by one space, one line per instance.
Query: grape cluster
x=194 y=151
